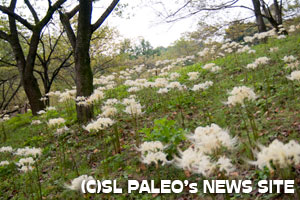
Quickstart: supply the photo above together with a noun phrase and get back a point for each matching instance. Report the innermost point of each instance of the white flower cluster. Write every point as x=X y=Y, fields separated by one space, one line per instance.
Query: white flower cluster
x=97 y=95
x=35 y=122
x=53 y=94
x=205 y=141
x=205 y=52
x=132 y=107
x=108 y=111
x=67 y=95
x=173 y=76
x=2 y=163
x=293 y=65
x=289 y=59
x=76 y=182
x=161 y=82
x=111 y=102
x=239 y=94
x=246 y=48
x=6 y=149
x=259 y=61
x=5 y=118
x=27 y=151
x=209 y=138
x=104 y=80
x=100 y=124
x=153 y=146
x=44 y=99
x=262 y=60
x=193 y=76
x=229 y=47
x=260 y=36
x=176 y=85
x=152 y=152
x=212 y=67
x=41 y=112
x=295 y=76
x=25 y=164
x=56 y=122
x=61 y=131
x=202 y=86
x=163 y=90
x=291 y=62
x=50 y=108
x=281 y=155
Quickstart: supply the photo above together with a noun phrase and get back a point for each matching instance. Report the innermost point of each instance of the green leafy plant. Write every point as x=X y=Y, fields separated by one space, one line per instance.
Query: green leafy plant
x=167 y=132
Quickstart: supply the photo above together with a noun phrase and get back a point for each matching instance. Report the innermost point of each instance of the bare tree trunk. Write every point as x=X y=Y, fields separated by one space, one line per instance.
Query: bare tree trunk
x=81 y=46
x=278 y=11
x=25 y=67
x=84 y=75
x=33 y=92
x=259 y=18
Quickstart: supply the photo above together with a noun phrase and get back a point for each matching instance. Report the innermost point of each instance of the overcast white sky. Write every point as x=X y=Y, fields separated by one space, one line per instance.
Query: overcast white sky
x=145 y=23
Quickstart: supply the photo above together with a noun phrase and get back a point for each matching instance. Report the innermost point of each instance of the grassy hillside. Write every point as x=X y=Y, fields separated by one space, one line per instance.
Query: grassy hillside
x=170 y=118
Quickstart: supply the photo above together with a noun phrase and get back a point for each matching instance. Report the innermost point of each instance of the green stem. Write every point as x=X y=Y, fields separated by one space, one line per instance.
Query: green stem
x=267 y=90
x=75 y=164
x=117 y=137
x=252 y=123
x=293 y=90
x=4 y=132
x=38 y=180
x=248 y=133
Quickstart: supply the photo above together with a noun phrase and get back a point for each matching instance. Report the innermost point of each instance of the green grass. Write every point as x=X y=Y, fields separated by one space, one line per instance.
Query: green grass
x=277 y=116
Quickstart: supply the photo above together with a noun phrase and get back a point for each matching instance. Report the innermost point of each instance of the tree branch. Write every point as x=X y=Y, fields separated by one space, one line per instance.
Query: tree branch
x=50 y=12
x=67 y=26
x=109 y=9
x=71 y=14
x=62 y=65
x=226 y=5
x=33 y=12
x=12 y=96
x=4 y=35
x=16 y=17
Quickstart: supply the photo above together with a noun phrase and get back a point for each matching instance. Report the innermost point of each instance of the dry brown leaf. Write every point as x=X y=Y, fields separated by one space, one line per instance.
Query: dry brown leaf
x=187 y=173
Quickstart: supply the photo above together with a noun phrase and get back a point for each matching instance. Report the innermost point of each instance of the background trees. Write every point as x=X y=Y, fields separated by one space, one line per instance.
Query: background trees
x=25 y=58
x=271 y=12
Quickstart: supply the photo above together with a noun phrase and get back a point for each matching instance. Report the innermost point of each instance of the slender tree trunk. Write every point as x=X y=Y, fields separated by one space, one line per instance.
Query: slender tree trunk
x=259 y=18
x=28 y=80
x=26 y=66
x=278 y=12
x=33 y=92
x=83 y=71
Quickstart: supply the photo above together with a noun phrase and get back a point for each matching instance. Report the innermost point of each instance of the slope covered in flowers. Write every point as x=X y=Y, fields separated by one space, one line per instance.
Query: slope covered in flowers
x=236 y=116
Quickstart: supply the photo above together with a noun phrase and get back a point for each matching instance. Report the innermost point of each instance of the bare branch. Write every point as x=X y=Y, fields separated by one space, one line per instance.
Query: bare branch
x=12 y=96
x=71 y=14
x=4 y=35
x=49 y=14
x=17 y=17
x=67 y=26
x=7 y=63
x=226 y=5
x=33 y=12
x=62 y=65
x=109 y=9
